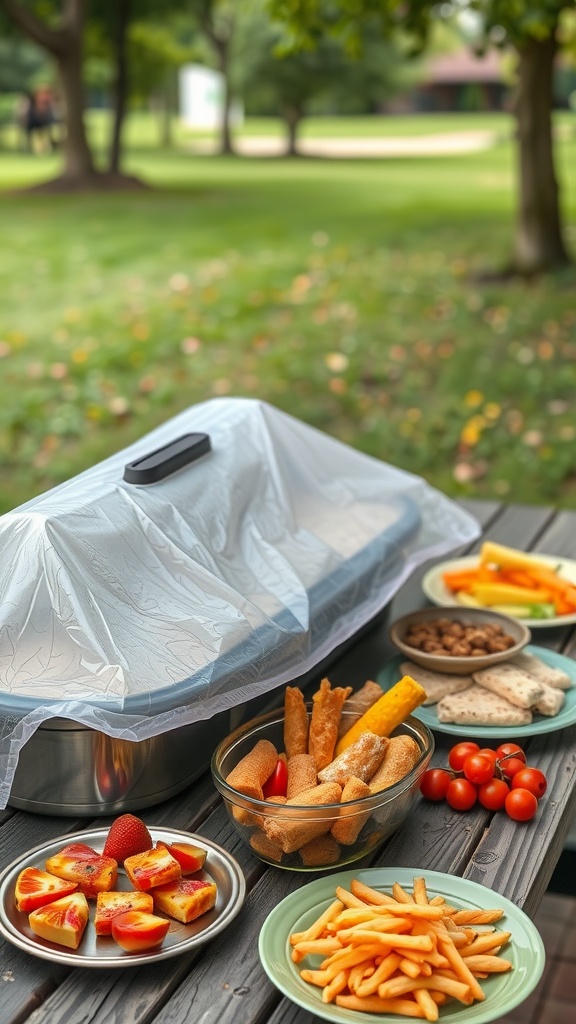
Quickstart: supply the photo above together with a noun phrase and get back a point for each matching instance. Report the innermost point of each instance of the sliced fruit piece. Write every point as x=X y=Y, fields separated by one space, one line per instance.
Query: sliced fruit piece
x=137 y=930
x=79 y=863
x=186 y=899
x=110 y=904
x=151 y=868
x=128 y=835
x=35 y=888
x=190 y=858
x=63 y=921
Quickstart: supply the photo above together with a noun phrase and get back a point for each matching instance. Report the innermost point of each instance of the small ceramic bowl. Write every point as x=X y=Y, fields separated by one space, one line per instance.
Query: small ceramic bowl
x=443 y=622
x=370 y=820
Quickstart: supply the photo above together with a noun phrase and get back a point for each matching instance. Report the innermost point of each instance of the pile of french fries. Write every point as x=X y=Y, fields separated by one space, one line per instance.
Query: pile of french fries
x=400 y=952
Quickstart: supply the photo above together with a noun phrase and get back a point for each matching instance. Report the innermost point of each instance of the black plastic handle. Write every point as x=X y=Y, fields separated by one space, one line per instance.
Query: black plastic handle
x=166 y=460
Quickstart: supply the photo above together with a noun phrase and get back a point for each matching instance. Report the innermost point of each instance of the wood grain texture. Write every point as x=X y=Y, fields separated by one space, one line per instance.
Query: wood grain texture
x=223 y=982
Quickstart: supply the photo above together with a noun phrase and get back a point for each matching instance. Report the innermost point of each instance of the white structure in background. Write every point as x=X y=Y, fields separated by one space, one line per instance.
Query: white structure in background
x=201 y=96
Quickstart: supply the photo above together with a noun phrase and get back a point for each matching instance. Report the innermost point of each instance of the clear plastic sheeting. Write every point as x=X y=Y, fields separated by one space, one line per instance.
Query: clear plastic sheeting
x=135 y=609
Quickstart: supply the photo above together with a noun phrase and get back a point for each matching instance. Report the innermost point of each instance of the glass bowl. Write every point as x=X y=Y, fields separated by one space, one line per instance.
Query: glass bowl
x=361 y=825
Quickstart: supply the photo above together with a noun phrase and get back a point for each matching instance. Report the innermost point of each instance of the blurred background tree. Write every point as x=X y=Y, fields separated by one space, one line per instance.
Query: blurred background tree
x=534 y=31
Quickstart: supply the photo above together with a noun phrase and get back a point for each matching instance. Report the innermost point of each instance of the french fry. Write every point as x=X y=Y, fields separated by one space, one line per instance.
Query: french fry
x=315 y=930
x=373 y=1004
x=400 y=894
x=365 y=894
x=484 y=943
x=312 y=946
x=404 y=953
x=419 y=891
x=384 y=971
x=477 y=916
x=400 y=986
x=488 y=964
x=334 y=987
x=426 y=1004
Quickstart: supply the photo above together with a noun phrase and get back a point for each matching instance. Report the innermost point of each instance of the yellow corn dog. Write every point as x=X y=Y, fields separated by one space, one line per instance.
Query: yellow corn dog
x=387 y=713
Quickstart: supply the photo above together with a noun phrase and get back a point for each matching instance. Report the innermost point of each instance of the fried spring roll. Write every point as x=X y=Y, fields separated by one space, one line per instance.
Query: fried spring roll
x=295 y=722
x=348 y=826
x=320 y=851
x=291 y=834
x=401 y=755
x=250 y=774
x=361 y=760
x=357 y=703
x=301 y=774
x=327 y=705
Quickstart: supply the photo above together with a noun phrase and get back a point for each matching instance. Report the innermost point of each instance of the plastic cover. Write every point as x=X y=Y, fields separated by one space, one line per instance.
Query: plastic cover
x=137 y=609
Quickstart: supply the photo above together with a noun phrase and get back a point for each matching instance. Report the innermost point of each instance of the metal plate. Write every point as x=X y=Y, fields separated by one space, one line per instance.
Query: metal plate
x=102 y=951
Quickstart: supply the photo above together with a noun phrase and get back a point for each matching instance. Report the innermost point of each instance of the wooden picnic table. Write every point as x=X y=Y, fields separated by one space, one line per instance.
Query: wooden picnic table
x=223 y=980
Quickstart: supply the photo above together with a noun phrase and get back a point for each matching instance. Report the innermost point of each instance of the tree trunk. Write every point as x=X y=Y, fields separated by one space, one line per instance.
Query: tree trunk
x=226 y=145
x=539 y=245
x=123 y=13
x=292 y=117
x=78 y=163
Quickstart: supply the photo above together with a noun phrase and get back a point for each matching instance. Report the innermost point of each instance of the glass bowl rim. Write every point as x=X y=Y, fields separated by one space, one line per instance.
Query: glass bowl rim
x=274 y=717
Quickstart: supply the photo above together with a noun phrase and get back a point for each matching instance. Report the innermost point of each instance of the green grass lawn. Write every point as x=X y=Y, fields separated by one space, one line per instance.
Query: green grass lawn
x=345 y=292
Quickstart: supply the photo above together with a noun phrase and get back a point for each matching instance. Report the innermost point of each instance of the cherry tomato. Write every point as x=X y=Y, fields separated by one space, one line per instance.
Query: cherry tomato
x=510 y=748
x=460 y=752
x=434 y=783
x=510 y=766
x=531 y=779
x=492 y=794
x=277 y=784
x=521 y=805
x=478 y=769
x=461 y=794
x=489 y=753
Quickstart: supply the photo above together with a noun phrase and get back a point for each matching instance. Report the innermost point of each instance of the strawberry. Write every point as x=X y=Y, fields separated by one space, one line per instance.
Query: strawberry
x=127 y=836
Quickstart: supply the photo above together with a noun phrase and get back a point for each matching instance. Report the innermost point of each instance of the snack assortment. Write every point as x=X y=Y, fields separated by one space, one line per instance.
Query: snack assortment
x=405 y=953
x=506 y=694
x=323 y=764
x=514 y=583
x=56 y=898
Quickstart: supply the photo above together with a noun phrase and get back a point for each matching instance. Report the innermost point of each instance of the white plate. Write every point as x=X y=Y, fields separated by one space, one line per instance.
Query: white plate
x=436 y=590
x=298 y=911
x=103 y=951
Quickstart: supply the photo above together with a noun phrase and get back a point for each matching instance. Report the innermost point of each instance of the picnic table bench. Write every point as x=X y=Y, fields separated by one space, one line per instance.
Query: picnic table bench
x=223 y=980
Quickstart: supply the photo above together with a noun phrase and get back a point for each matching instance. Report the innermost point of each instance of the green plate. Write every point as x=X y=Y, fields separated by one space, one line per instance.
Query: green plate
x=298 y=911
x=539 y=724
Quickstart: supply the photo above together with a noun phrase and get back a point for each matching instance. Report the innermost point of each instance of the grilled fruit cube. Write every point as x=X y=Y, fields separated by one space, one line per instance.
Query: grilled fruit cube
x=151 y=868
x=79 y=863
x=190 y=858
x=186 y=899
x=63 y=921
x=35 y=888
x=110 y=904
x=136 y=930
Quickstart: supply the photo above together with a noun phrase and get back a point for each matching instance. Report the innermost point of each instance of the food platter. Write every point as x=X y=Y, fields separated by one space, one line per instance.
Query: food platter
x=539 y=724
x=437 y=591
x=298 y=910
x=102 y=951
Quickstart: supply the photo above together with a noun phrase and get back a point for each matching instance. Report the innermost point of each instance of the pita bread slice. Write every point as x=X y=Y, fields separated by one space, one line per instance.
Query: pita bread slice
x=551 y=701
x=478 y=706
x=544 y=673
x=436 y=684
x=511 y=683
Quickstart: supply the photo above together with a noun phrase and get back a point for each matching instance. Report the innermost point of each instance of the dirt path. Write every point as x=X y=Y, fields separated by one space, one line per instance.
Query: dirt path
x=389 y=146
